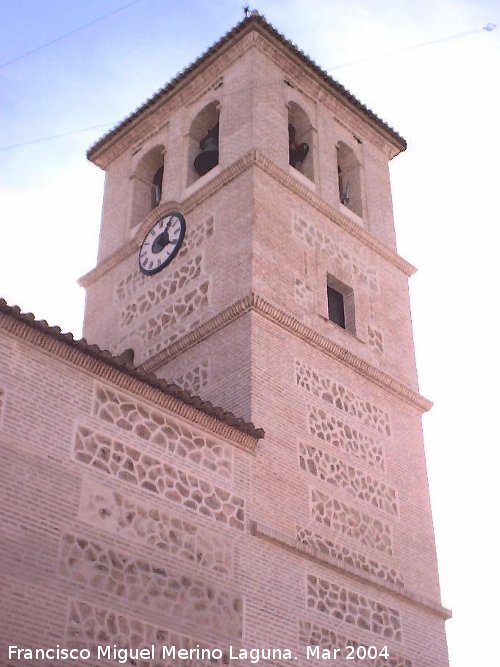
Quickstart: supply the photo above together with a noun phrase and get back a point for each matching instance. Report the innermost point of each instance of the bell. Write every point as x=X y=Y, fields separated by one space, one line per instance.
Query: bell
x=298 y=153
x=209 y=156
x=156 y=187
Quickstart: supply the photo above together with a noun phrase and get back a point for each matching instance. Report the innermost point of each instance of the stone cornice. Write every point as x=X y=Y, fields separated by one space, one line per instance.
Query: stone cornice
x=292 y=325
x=336 y=216
x=99 y=369
x=238 y=167
x=300 y=549
x=205 y=330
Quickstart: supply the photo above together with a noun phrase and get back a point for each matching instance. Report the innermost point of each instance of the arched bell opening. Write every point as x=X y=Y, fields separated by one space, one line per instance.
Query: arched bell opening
x=157 y=188
x=300 y=140
x=203 y=151
x=349 y=175
x=147 y=184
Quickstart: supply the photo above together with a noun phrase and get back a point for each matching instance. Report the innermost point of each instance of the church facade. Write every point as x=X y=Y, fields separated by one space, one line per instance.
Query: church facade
x=247 y=256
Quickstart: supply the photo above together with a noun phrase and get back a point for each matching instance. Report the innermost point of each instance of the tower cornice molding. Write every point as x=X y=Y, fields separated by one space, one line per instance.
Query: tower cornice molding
x=336 y=216
x=255 y=303
x=265 y=532
x=253 y=157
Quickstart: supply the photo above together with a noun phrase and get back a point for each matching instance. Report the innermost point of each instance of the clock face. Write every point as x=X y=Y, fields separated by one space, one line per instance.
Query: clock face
x=162 y=243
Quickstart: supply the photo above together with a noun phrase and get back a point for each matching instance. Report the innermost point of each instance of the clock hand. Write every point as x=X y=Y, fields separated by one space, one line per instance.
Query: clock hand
x=164 y=238
x=158 y=247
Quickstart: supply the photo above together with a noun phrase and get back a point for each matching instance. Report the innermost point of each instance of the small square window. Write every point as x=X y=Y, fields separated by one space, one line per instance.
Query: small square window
x=336 y=312
x=340 y=299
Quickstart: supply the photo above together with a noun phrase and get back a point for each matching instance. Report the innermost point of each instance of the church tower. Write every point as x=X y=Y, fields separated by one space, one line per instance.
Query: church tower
x=247 y=254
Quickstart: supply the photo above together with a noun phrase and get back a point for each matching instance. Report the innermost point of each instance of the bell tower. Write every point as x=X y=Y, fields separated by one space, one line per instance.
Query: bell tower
x=286 y=302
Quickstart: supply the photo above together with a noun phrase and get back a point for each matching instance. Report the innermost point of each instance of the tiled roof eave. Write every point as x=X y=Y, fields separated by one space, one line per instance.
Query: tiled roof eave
x=347 y=97
x=258 y=22
x=169 y=389
x=181 y=78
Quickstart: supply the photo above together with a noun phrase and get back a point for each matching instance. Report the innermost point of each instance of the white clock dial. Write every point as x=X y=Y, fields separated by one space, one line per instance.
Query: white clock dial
x=162 y=243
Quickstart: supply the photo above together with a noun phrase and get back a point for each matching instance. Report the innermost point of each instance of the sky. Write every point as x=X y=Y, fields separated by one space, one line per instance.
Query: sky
x=444 y=98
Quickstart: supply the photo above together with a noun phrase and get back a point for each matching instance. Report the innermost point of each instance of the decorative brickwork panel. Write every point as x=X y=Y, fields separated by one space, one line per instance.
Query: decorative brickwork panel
x=349 y=479
x=179 y=332
x=311 y=634
x=113 y=512
x=137 y=281
x=348 y=440
x=316 y=240
x=160 y=292
x=158 y=429
x=173 y=322
x=145 y=472
x=375 y=339
x=88 y=563
x=326 y=547
x=304 y=295
x=196 y=237
x=89 y=626
x=164 y=311
x=173 y=314
x=350 y=522
x=195 y=379
x=342 y=398
x=353 y=608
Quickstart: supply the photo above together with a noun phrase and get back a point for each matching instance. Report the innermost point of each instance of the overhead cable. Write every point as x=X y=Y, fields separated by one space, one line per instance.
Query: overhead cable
x=68 y=34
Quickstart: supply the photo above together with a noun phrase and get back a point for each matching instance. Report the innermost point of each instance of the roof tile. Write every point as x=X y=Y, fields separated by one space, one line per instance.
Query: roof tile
x=105 y=356
x=255 y=19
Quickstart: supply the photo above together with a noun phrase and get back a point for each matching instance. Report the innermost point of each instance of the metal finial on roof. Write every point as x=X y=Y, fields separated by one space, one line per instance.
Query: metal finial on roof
x=246 y=10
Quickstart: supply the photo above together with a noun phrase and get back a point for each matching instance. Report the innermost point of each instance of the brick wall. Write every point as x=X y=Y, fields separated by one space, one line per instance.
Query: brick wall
x=121 y=515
